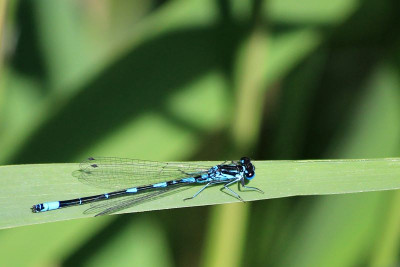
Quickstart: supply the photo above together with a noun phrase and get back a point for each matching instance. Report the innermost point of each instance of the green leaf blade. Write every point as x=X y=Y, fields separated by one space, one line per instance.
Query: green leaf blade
x=22 y=186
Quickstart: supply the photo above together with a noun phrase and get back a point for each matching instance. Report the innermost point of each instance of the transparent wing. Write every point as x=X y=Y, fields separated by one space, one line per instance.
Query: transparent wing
x=121 y=203
x=119 y=173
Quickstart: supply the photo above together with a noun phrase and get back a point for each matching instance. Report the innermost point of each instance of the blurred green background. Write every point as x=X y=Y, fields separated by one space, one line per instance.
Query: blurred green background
x=205 y=80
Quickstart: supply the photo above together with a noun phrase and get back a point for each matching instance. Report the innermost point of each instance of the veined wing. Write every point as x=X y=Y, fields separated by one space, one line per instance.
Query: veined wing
x=119 y=173
x=114 y=205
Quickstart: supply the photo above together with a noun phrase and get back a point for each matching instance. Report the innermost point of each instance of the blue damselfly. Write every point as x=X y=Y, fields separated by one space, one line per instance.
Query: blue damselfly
x=145 y=180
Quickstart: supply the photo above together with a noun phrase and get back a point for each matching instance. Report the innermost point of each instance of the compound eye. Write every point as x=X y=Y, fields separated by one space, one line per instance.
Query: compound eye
x=245 y=160
x=250 y=175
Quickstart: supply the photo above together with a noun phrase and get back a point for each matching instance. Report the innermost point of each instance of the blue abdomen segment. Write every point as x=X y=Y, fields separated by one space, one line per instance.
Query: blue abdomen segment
x=46 y=206
x=164 y=184
x=188 y=180
x=51 y=205
x=132 y=190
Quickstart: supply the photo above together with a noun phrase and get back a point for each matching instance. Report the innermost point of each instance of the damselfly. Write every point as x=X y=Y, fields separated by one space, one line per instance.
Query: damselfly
x=146 y=180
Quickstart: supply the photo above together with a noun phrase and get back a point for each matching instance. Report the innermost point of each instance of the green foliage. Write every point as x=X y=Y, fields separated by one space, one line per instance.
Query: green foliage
x=203 y=80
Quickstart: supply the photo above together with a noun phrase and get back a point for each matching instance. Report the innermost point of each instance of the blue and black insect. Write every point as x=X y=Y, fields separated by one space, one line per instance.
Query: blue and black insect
x=147 y=180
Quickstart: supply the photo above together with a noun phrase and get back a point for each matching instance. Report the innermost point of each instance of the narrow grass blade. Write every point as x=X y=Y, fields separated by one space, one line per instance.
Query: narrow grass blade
x=21 y=186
